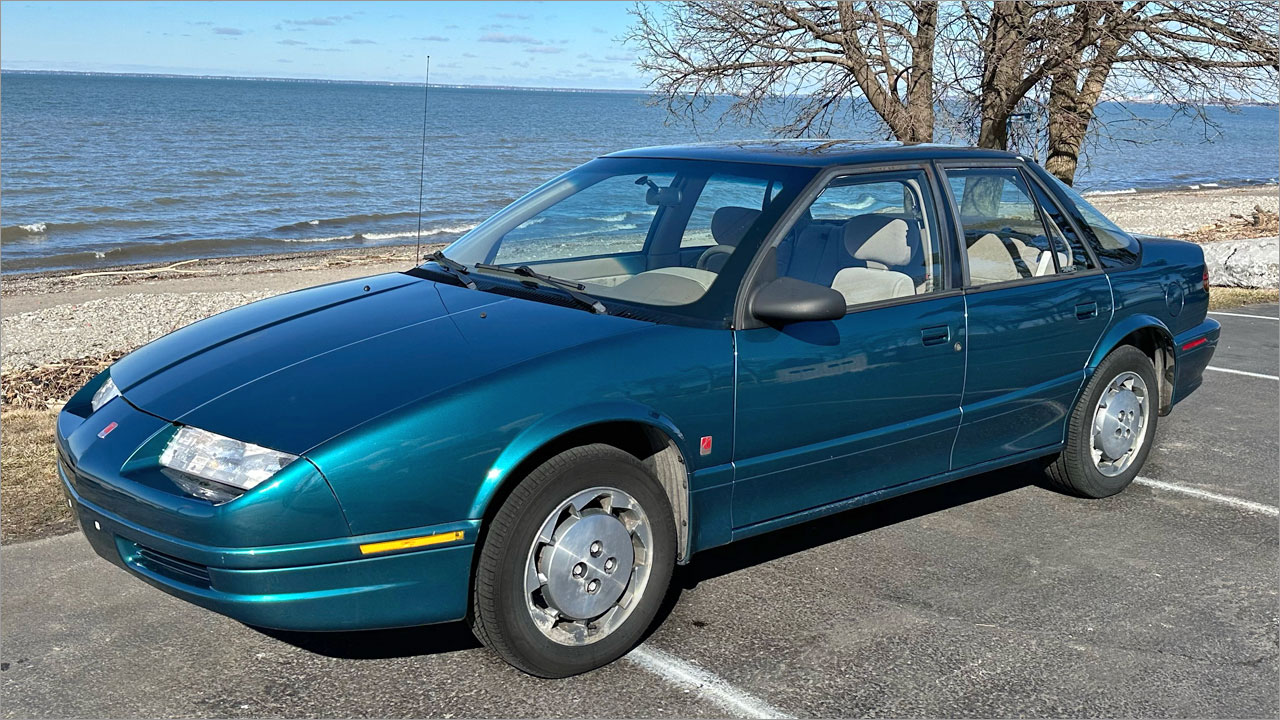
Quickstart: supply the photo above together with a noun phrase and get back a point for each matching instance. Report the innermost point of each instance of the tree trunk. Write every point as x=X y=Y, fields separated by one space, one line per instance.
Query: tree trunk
x=920 y=77
x=1006 y=46
x=1071 y=109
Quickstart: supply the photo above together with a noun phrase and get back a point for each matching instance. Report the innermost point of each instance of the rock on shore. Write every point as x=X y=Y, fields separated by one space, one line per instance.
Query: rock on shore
x=1244 y=263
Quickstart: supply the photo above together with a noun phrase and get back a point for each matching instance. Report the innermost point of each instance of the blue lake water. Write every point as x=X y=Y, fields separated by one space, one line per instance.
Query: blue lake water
x=105 y=170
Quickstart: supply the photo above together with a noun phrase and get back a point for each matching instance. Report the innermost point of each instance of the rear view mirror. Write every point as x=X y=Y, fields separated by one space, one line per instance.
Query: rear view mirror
x=788 y=300
x=658 y=195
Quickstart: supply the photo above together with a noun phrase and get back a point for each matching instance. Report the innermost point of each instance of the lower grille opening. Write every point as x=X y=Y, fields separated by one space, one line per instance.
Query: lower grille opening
x=171 y=567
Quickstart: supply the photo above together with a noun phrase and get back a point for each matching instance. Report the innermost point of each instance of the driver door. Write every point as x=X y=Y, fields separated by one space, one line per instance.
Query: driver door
x=830 y=410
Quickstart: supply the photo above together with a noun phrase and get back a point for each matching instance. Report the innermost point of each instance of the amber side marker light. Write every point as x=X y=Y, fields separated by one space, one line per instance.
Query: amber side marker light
x=413 y=542
x=1195 y=343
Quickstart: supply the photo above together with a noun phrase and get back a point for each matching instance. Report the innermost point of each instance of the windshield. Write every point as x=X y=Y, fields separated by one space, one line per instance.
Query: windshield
x=652 y=232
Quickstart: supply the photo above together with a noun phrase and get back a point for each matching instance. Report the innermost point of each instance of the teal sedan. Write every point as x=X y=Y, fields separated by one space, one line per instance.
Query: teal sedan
x=662 y=351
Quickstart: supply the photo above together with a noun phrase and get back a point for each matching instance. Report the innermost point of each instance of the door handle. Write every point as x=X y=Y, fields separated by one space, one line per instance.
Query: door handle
x=935 y=335
x=1084 y=311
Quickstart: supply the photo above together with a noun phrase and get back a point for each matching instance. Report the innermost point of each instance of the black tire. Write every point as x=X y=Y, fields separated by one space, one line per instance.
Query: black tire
x=500 y=617
x=1073 y=470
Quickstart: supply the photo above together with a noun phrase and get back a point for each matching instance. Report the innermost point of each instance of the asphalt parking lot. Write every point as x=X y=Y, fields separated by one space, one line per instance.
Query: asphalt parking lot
x=989 y=597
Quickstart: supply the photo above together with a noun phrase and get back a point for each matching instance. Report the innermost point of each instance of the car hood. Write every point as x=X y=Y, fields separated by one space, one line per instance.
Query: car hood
x=295 y=370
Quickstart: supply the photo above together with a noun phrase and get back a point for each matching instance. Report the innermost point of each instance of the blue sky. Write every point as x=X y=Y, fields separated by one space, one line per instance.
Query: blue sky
x=547 y=44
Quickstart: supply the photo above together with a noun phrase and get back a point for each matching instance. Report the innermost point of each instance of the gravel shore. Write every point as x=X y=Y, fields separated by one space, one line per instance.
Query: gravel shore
x=49 y=317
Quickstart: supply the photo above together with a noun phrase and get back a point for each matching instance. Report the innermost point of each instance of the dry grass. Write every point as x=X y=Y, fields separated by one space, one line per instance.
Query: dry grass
x=1260 y=223
x=48 y=386
x=31 y=501
x=1222 y=298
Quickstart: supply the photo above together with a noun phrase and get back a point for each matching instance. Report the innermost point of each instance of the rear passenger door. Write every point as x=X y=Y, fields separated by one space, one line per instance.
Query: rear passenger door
x=1037 y=305
x=830 y=410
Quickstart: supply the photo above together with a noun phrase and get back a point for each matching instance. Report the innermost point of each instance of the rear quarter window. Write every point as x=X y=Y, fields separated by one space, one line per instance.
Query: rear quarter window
x=1114 y=247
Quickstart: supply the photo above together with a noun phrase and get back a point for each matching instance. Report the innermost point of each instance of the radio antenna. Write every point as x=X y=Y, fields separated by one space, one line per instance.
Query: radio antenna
x=422 y=165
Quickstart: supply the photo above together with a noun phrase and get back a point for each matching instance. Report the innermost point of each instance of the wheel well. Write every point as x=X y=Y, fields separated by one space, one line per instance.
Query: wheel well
x=648 y=444
x=1159 y=347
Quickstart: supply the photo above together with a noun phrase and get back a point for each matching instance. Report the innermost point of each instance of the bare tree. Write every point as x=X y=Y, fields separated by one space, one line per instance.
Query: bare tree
x=822 y=56
x=981 y=61
x=1186 y=54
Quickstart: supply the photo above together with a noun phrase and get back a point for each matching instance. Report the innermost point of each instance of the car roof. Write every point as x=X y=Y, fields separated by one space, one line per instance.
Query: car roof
x=813 y=153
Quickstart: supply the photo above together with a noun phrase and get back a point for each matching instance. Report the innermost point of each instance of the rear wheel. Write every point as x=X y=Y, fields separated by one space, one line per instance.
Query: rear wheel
x=1112 y=428
x=575 y=563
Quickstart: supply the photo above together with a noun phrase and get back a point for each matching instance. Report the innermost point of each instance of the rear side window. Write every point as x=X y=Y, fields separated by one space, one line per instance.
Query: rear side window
x=1071 y=256
x=1004 y=237
x=1113 y=246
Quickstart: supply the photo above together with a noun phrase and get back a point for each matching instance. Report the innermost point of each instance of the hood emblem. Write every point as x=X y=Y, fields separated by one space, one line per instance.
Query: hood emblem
x=107 y=430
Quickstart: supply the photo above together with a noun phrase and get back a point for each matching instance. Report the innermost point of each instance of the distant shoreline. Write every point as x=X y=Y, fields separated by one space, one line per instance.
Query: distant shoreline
x=463 y=86
x=318 y=81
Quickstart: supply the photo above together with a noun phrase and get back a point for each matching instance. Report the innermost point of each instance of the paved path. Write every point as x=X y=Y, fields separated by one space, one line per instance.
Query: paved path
x=989 y=597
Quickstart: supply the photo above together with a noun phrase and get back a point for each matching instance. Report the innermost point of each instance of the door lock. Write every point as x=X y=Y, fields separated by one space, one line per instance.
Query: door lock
x=958 y=347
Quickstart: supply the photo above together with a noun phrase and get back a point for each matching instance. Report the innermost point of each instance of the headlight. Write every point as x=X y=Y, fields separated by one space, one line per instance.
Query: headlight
x=104 y=394
x=231 y=466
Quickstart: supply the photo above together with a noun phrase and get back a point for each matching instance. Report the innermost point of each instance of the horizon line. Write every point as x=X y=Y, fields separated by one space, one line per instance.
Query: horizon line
x=270 y=78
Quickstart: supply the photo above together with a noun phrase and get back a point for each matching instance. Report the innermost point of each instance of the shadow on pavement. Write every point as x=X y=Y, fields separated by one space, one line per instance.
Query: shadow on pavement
x=381 y=644
x=452 y=637
x=779 y=543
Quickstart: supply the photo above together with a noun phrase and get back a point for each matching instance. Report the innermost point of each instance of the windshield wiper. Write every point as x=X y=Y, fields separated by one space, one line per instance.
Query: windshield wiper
x=453 y=268
x=573 y=289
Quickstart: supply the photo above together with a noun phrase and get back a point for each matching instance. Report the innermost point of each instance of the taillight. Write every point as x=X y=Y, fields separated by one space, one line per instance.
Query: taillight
x=1204 y=279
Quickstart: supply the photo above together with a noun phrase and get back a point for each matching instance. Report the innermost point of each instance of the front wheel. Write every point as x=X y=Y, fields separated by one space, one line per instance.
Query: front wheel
x=575 y=563
x=1112 y=428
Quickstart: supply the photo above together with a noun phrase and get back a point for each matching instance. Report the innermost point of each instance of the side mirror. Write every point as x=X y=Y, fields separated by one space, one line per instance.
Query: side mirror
x=788 y=300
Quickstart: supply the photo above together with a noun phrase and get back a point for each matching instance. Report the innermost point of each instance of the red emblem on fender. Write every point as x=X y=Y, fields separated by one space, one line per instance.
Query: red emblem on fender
x=107 y=430
x=704 y=447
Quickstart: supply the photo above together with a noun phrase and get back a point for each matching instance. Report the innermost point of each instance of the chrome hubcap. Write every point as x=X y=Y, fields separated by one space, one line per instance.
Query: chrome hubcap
x=1119 y=424
x=588 y=566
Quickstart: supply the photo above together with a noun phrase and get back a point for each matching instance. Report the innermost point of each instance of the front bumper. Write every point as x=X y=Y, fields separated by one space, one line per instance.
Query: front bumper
x=208 y=555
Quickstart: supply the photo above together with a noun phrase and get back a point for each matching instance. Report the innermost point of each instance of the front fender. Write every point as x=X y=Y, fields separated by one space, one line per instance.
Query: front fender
x=1123 y=329
x=549 y=428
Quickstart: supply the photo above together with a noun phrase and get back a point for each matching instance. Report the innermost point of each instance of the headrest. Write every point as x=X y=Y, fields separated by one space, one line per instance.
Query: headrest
x=730 y=223
x=880 y=238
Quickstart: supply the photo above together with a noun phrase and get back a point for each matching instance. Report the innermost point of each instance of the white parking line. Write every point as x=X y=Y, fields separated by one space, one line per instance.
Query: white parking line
x=1242 y=372
x=712 y=687
x=1241 y=503
x=1256 y=317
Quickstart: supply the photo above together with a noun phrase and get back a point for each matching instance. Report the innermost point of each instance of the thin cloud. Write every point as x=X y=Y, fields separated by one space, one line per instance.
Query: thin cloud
x=291 y=42
x=431 y=38
x=505 y=38
x=227 y=31
x=330 y=20
x=599 y=30
x=514 y=16
x=283 y=60
x=470 y=55
x=361 y=41
x=545 y=50
x=619 y=58
x=324 y=49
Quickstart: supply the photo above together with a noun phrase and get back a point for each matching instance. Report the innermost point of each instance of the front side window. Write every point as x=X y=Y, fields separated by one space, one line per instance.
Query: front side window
x=642 y=231
x=1005 y=237
x=872 y=237
x=1113 y=246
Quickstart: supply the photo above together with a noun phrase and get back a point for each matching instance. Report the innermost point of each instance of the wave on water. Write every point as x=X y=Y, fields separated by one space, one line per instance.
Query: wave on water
x=38 y=230
x=345 y=220
x=380 y=236
x=1094 y=193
